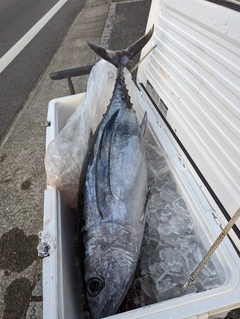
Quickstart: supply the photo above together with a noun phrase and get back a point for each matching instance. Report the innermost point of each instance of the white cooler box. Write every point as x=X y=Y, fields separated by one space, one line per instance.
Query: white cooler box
x=190 y=89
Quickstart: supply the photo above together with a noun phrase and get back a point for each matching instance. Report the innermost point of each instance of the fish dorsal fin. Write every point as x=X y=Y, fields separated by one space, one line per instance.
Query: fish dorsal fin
x=103 y=186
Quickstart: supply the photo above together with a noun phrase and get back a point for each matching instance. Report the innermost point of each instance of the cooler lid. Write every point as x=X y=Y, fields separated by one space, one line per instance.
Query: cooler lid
x=192 y=79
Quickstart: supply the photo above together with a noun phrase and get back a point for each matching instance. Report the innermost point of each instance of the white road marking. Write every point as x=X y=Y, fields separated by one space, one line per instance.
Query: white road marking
x=20 y=45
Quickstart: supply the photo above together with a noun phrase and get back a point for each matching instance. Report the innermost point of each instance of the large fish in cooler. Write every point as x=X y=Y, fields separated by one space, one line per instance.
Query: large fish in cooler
x=112 y=195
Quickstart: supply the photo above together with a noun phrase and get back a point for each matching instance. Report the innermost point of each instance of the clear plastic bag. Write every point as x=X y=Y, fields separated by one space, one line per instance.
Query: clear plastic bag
x=65 y=154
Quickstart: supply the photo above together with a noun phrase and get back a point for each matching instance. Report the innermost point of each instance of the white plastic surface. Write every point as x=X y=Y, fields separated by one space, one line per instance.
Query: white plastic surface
x=61 y=295
x=64 y=106
x=195 y=71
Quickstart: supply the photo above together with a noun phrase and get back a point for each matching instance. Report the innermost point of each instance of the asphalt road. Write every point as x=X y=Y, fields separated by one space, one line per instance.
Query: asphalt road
x=21 y=75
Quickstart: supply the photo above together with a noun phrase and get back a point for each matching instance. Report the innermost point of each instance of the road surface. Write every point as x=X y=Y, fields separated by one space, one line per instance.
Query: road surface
x=30 y=33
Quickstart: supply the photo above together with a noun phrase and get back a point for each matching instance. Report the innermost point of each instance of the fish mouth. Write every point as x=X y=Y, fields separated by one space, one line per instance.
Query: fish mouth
x=102 y=310
x=105 y=307
x=96 y=313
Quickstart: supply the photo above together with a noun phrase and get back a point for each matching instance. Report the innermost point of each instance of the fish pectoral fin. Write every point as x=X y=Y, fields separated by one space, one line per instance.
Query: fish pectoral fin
x=103 y=186
x=143 y=124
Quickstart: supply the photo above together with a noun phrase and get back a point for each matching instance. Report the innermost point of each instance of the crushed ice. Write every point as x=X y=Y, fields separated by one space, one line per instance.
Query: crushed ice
x=171 y=250
x=46 y=245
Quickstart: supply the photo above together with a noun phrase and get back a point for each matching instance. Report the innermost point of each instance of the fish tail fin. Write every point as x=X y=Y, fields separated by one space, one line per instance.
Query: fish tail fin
x=122 y=57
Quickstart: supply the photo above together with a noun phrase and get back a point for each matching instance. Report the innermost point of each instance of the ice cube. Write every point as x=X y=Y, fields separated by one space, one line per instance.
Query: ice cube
x=156 y=271
x=171 y=250
x=168 y=281
x=168 y=195
x=210 y=282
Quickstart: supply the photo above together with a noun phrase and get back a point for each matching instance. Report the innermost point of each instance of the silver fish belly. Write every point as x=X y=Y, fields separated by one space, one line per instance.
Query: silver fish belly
x=112 y=197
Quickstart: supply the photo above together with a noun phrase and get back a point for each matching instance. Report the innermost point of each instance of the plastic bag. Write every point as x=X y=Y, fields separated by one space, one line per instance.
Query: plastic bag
x=65 y=154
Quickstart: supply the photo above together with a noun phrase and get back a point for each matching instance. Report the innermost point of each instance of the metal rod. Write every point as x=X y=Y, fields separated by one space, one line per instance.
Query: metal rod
x=69 y=73
x=70 y=85
x=79 y=71
x=134 y=68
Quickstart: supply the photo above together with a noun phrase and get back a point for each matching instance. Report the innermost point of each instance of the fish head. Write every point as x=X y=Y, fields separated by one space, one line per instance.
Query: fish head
x=109 y=269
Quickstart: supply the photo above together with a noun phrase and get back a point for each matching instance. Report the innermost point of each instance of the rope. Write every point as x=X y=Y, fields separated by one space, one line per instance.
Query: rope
x=205 y=259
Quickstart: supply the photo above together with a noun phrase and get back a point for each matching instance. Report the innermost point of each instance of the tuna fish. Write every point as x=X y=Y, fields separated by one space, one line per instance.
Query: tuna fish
x=112 y=195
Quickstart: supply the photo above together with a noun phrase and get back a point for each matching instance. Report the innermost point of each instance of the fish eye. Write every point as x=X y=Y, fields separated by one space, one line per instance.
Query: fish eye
x=94 y=286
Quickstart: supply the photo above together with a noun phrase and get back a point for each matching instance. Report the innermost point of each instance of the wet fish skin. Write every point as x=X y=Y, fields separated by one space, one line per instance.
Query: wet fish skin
x=112 y=195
